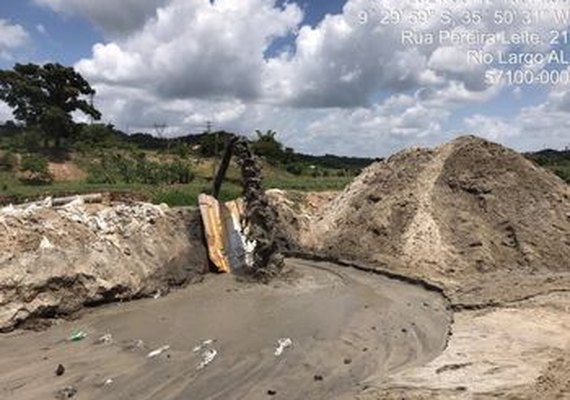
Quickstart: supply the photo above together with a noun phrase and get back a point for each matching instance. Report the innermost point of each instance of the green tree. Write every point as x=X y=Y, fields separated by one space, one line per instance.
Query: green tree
x=45 y=96
x=268 y=146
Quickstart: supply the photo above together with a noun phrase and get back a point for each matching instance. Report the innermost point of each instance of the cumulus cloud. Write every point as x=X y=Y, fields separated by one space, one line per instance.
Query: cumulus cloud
x=196 y=49
x=185 y=62
x=12 y=35
x=538 y=127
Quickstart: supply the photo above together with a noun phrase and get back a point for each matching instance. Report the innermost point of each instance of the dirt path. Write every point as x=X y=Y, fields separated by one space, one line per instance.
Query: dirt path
x=348 y=329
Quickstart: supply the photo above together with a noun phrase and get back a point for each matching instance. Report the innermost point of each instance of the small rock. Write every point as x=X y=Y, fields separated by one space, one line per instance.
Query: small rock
x=60 y=370
x=318 y=377
x=271 y=392
x=347 y=361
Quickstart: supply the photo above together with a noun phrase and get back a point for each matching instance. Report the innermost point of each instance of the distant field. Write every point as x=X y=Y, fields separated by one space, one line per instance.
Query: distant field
x=173 y=195
x=129 y=170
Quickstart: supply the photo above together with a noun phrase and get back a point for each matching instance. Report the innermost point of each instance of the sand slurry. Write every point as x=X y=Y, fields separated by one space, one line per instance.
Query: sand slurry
x=348 y=329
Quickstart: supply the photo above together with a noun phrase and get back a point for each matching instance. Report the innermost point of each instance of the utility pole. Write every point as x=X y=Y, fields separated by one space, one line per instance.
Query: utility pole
x=159 y=129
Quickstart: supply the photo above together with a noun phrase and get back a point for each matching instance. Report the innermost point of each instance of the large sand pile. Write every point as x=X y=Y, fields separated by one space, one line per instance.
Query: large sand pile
x=471 y=216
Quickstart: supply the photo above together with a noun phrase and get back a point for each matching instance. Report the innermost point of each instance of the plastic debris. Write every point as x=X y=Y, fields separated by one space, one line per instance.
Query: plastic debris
x=158 y=352
x=207 y=357
x=157 y=295
x=283 y=343
x=203 y=345
x=105 y=339
x=108 y=382
x=77 y=202
x=77 y=335
x=66 y=393
x=208 y=354
x=45 y=244
x=135 y=345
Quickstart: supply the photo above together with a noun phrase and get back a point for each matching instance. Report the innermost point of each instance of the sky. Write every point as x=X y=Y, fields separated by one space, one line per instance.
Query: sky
x=353 y=77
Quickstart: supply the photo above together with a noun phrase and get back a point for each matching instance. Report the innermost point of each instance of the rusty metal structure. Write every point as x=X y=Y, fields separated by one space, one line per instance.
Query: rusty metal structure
x=241 y=234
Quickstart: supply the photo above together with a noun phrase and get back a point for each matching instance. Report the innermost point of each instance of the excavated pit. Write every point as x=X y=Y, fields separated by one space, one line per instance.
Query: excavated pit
x=471 y=217
x=349 y=329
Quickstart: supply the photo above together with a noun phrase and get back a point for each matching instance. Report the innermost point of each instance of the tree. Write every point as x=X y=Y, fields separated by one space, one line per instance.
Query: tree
x=45 y=96
x=267 y=146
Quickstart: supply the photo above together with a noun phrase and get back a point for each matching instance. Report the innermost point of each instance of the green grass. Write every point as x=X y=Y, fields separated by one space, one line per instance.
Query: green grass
x=173 y=195
x=12 y=190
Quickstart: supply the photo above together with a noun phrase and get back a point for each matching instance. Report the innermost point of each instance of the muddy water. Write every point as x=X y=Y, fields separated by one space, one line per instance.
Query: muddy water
x=349 y=329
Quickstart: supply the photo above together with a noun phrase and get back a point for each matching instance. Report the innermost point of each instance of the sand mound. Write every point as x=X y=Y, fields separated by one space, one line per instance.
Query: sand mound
x=55 y=260
x=472 y=216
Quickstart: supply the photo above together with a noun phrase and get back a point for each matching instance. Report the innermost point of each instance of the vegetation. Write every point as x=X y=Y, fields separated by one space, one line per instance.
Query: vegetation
x=556 y=161
x=34 y=170
x=158 y=169
x=118 y=168
x=44 y=97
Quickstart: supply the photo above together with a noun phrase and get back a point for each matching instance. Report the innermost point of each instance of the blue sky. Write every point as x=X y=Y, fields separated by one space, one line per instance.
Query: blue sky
x=326 y=85
x=66 y=39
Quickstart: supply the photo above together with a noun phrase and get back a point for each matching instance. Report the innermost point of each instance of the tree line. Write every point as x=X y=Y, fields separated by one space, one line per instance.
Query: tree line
x=44 y=99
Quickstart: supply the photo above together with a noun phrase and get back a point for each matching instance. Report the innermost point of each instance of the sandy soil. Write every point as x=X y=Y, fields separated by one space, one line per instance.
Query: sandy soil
x=489 y=228
x=348 y=328
x=517 y=352
x=471 y=216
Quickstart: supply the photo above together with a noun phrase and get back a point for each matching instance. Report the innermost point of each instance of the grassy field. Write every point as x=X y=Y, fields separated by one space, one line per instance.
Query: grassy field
x=11 y=190
x=132 y=173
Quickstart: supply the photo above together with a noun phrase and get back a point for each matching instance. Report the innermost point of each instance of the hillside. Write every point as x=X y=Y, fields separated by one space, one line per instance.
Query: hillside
x=172 y=171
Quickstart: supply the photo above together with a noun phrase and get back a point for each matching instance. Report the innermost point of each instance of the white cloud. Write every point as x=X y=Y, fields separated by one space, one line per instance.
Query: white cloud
x=196 y=49
x=532 y=128
x=41 y=29
x=341 y=86
x=12 y=35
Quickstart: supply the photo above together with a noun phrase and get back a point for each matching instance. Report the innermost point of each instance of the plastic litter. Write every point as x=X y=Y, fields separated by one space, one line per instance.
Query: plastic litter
x=135 y=345
x=108 y=382
x=66 y=393
x=208 y=354
x=283 y=343
x=105 y=339
x=207 y=357
x=203 y=345
x=157 y=295
x=158 y=352
x=45 y=244
x=77 y=335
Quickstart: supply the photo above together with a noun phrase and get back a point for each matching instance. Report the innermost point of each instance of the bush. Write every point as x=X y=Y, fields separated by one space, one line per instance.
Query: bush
x=8 y=161
x=175 y=198
x=116 y=168
x=34 y=170
x=295 y=169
